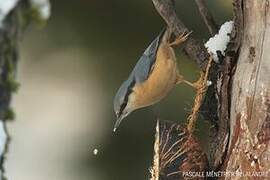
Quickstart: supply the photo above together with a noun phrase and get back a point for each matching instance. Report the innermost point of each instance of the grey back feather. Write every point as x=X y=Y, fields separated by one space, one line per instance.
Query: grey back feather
x=143 y=68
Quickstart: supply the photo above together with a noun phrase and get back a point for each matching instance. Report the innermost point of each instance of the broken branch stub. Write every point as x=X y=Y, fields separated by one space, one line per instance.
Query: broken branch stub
x=177 y=153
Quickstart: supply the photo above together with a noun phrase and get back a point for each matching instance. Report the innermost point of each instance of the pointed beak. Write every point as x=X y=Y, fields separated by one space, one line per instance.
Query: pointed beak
x=117 y=123
x=119 y=120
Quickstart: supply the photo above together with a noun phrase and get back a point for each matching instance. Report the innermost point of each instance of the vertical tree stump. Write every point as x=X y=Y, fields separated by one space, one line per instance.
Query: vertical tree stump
x=178 y=155
x=249 y=147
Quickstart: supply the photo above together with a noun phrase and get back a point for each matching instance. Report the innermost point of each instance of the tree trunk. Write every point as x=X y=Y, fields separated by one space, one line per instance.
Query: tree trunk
x=249 y=149
x=13 y=22
x=9 y=35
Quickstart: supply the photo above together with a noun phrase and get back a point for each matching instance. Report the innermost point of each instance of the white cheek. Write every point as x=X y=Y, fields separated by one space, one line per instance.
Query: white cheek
x=131 y=102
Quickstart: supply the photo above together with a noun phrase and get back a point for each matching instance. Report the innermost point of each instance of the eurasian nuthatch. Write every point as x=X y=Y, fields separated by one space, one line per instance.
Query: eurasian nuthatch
x=152 y=78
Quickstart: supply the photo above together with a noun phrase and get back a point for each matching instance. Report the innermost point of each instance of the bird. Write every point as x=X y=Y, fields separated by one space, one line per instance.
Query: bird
x=153 y=77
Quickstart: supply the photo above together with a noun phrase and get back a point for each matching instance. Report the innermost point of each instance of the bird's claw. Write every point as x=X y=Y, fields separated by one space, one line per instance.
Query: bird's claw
x=200 y=85
x=180 y=39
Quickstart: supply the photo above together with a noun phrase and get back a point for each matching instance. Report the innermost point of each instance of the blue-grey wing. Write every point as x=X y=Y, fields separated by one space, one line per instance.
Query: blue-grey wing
x=143 y=68
x=145 y=65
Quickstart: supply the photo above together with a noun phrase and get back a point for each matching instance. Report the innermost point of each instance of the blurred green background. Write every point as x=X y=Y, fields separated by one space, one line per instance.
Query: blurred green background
x=69 y=72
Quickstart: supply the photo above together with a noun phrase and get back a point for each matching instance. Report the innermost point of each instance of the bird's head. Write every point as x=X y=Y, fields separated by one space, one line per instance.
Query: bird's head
x=124 y=102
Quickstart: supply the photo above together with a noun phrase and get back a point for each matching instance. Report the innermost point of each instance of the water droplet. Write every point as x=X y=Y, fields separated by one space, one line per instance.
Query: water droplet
x=95 y=152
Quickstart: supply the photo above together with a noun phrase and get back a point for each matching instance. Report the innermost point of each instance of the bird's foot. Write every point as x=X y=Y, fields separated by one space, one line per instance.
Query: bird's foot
x=180 y=39
x=198 y=85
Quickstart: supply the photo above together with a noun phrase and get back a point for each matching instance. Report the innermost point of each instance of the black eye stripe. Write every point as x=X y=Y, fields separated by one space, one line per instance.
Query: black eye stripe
x=122 y=107
x=129 y=91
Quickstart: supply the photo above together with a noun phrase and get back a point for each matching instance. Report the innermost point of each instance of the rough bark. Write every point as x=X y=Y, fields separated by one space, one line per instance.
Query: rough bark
x=218 y=99
x=249 y=149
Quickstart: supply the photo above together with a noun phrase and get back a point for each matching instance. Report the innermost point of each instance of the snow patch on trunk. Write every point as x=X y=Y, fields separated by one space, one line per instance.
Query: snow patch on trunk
x=220 y=41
